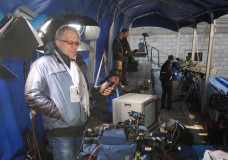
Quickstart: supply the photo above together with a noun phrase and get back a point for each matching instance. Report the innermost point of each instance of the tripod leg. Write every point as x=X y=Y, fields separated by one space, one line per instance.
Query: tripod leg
x=180 y=83
x=189 y=91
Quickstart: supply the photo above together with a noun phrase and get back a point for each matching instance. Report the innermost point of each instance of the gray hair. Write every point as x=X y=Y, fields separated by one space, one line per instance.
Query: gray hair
x=62 y=29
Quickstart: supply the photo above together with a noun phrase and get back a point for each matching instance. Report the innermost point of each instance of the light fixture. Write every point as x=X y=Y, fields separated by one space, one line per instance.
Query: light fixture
x=39 y=21
x=5 y=22
x=23 y=11
x=79 y=28
x=91 y=32
x=18 y=39
x=85 y=47
x=88 y=28
x=43 y=29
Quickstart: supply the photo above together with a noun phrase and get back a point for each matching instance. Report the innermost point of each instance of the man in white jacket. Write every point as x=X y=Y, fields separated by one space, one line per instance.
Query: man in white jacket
x=57 y=89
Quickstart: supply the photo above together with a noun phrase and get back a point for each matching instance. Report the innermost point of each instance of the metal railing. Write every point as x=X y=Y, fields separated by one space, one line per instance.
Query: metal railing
x=153 y=51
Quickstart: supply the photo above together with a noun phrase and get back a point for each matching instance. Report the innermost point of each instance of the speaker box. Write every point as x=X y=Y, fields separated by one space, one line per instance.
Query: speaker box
x=18 y=39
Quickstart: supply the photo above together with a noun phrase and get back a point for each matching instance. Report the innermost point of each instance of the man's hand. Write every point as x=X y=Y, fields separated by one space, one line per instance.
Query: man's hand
x=105 y=89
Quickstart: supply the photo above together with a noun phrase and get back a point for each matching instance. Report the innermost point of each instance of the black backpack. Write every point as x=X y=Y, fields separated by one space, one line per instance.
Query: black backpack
x=218 y=101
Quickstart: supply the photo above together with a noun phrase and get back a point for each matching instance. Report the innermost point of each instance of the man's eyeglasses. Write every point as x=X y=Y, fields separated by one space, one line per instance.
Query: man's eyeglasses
x=70 y=42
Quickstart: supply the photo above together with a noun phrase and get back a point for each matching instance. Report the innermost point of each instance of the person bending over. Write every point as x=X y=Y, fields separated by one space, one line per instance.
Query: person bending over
x=179 y=140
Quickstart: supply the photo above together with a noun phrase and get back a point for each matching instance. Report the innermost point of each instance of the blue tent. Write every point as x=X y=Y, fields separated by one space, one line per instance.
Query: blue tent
x=170 y=14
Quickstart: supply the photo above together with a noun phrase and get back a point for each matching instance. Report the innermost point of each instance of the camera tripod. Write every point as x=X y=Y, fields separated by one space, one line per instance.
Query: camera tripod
x=193 y=95
x=145 y=44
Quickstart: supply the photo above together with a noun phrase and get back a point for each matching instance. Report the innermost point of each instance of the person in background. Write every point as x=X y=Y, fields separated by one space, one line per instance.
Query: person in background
x=126 y=54
x=175 y=74
x=179 y=140
x=104 y=106
x=132 y=63
x=117 y=49
x=57 y=88
x=166 y=83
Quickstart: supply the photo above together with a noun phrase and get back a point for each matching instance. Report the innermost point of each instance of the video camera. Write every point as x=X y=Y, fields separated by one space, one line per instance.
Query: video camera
x=130 y=136
x=133 y=128
x=147 y=142
x=145 y=35
x=136 y=115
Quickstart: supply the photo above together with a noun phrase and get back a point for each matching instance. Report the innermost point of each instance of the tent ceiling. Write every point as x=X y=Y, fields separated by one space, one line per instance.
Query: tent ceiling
x=170 y=14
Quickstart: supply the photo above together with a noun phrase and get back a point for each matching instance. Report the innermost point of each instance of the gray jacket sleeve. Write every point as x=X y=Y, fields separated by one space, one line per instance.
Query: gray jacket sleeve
x=35 y=95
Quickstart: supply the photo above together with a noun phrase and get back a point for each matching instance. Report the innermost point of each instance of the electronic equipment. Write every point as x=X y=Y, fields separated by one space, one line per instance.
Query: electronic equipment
x=145 y=35
x=136 y=102
x=124 y=140
x=197 y=68
x=110 y=84
x=202 y=69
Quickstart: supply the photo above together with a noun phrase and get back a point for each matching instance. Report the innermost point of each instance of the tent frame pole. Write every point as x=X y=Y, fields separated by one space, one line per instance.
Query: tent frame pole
x=208 y=69
x=178 y=40
x=194 y=43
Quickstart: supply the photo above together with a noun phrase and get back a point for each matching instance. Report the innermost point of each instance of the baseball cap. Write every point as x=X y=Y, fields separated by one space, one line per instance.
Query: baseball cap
x=114 y=72
x=170 y=122
x=171 y=57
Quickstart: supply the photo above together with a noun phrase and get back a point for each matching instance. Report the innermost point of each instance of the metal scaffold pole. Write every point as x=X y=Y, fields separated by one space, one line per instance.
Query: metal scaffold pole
x=208 y=69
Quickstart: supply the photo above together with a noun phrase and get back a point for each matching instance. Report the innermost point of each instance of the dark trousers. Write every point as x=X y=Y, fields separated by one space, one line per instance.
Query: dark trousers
x=132 y=65
x=166 y=91
x=124 y=69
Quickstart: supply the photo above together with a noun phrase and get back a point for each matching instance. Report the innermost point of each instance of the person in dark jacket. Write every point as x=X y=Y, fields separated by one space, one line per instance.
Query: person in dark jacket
x=132 y=63
x=179 y=140
x=166 y=83
x=117 y=50
x=126 y=54
x=104 y=105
